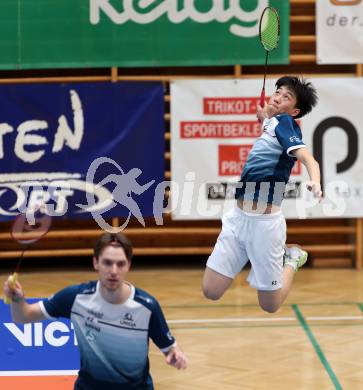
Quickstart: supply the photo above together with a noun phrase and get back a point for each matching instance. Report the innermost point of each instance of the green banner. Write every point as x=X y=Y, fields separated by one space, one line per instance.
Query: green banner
x=136 y=33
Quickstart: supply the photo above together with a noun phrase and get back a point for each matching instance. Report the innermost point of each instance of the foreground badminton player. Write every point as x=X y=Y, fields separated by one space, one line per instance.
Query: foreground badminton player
x=255 y=229
x=112 y=319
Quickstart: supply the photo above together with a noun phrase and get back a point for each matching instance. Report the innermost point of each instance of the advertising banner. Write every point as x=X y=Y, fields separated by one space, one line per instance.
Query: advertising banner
x=339 y=31
x=126 y=33
x=41 y=348
x=87 y=150
x=214 y=126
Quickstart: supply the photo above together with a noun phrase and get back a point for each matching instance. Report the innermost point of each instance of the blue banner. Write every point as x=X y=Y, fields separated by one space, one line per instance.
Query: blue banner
x=40 y=346
x=82 y=149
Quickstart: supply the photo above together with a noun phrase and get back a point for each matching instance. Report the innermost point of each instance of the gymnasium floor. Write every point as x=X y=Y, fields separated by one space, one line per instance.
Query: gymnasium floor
x=315 y=341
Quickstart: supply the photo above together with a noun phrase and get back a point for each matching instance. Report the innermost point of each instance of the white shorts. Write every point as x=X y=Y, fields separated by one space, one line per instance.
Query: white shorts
x=259 y=238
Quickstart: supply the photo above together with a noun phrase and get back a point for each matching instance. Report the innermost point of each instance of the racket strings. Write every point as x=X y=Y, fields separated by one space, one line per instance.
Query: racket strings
x=25 y=233
x=270 y=30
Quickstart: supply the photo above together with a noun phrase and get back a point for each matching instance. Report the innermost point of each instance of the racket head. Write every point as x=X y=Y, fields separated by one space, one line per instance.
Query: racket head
x=31 y=226
x=269 y=29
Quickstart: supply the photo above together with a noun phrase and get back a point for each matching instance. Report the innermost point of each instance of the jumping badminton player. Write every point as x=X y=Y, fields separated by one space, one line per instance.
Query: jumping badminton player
x=112 y=319
x=255 y=229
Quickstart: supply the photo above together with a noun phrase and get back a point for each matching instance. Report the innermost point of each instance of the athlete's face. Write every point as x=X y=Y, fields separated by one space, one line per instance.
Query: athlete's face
x=112 y=266
x=284 y=101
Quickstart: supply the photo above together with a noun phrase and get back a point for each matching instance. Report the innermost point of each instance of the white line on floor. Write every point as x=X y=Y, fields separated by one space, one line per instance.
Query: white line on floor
x=262 y=319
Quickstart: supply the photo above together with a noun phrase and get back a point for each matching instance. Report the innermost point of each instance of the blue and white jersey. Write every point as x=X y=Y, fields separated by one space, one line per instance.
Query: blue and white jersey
x=113 y=338
x=270 y=161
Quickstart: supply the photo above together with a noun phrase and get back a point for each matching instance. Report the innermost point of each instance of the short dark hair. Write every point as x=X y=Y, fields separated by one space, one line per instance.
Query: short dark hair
x=305 y=93
x=113 y=239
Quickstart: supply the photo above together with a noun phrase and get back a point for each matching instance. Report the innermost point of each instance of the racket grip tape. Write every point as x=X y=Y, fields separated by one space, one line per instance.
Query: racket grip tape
x=12 y=281
x=262 y=98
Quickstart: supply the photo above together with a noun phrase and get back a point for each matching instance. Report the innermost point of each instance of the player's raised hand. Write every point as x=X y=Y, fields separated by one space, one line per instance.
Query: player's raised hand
x=261 y=112
x=13 y=289
x=266 y=112
x=271 y=109
x=176 y=358
x=315 y=188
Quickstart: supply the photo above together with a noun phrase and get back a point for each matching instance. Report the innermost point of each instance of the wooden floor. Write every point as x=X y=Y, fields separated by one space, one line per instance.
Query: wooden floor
x=314 y=342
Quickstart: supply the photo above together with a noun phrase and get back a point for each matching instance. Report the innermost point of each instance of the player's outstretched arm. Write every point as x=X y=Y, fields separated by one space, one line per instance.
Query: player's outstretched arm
x=313 y=169
x=21 y=311
x=175 y=357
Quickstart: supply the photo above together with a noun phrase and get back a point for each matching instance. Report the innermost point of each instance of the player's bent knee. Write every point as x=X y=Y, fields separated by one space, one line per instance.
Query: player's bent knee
x=211 y=294
x=214 y=284
x=269 y=301
x=269 y=307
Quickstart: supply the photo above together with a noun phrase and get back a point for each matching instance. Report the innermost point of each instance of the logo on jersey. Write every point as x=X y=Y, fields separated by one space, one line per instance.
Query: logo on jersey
x=91 y=323
x=96 y=314
x=128 y=320
x=294 y=139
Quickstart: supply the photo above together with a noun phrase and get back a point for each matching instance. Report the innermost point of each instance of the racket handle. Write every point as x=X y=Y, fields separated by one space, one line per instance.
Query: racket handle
x=12 y=281
x=262 y=97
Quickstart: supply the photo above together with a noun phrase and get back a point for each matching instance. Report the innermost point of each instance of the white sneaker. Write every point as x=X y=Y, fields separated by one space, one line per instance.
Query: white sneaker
x=295 y=257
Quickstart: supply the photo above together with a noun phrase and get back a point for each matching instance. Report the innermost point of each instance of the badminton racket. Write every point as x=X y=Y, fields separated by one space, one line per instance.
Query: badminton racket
x=28 y=228
x=269 y=33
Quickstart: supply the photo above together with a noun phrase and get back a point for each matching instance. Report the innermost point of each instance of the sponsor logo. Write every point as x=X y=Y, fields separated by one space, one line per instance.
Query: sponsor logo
x=92 y=324
x=219 y=129
x=149 y=11
x=37 y=334
x=128 y=321
x=294 y=138
x=56 y=191
x=230 y=105
x=340 y=18
x=232 y=158
x=96 y=314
